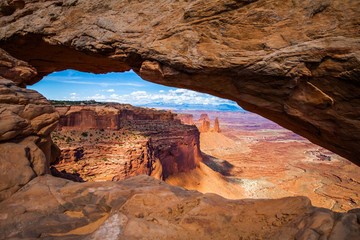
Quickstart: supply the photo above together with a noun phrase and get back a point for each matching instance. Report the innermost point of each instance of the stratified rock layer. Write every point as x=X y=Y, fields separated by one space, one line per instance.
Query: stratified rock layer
x=294 y=62
x=145 y=208
x=26 y=121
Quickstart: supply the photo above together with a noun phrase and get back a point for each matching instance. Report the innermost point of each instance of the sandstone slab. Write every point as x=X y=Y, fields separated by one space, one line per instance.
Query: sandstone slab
x=145 y=208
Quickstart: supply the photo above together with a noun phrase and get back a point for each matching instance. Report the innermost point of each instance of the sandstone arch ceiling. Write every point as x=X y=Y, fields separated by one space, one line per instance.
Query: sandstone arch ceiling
x=294 y=62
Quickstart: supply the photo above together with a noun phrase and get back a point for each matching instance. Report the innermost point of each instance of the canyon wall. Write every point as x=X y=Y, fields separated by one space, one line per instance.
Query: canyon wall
x=185 y=118
x=294 y=62
x=117 y=141
x=106 y=117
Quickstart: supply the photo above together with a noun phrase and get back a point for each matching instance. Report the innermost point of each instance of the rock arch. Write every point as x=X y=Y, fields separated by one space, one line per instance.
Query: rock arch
x=294 y=62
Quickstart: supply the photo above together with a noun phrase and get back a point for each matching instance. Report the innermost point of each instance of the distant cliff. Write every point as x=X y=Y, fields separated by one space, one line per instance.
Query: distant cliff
x=111 y=116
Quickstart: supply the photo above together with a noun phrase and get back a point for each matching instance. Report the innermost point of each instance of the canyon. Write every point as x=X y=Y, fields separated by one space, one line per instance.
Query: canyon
x=260 y=159
x=293 y=62
x=116 y=141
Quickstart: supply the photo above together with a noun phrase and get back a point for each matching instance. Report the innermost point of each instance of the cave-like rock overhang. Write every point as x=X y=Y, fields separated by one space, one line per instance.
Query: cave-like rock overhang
x=296 y=63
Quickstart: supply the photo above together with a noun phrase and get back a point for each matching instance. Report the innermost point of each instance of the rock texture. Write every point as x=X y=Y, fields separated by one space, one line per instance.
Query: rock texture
x=117 y=141
x=25 y=144
x=112 y=116
x=216 y=125
x=18 y=71
x=145 y=208
x=204 y=126
x=185 y=118
x=294 y=62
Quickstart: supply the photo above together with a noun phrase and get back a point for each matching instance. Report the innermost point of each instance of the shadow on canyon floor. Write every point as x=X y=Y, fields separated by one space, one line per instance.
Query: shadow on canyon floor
x=218 y=165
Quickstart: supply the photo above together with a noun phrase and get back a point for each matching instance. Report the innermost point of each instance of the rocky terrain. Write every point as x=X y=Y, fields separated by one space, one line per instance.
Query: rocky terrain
x=116 y=141
x=294 y=62
x=260 y=159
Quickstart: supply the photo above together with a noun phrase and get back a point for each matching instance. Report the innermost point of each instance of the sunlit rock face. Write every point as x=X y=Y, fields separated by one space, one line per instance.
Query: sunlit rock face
x=145 y=208
x=26 y=148
x=294 y=62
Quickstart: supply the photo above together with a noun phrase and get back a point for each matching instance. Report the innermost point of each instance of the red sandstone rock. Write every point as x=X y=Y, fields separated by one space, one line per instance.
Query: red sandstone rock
x=205 y=117
x=110 y=116
x=204 y=126
x=293 y=62
x=134 y=141
x=186 y=118
x=216 y=125
x=26 y=121
x=13 y=69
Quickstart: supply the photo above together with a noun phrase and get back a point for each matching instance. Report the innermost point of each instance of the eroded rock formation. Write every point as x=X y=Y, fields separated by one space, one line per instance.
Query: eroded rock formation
x=294 y=62
x=204 y=126
x=111 y=116
x=216 y=125
x=26 y=148
x=117 y=141
x=186 y=118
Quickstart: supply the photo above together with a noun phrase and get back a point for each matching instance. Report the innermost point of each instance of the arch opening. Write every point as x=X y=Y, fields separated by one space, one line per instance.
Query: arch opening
x=305 y=106
x=100 y=139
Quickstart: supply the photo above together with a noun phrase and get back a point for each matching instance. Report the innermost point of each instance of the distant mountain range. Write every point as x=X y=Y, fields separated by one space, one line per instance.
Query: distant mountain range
x=209 y=107
x=160 y=105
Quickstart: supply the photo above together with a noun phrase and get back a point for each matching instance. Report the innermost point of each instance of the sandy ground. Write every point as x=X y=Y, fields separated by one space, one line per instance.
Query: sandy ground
x=206 y=180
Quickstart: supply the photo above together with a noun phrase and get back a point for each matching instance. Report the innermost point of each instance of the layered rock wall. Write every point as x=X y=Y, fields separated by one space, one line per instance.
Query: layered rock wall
x=111 y=116
x=131 y=142
x=186 y=118
x=26 y=120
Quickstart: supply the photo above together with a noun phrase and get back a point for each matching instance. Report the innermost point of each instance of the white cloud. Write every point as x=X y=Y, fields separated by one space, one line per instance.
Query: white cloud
x=110 y=90
x=98 y=97
x=73 y=96
x=91 y=81
x=178 y=96
x=137 y=93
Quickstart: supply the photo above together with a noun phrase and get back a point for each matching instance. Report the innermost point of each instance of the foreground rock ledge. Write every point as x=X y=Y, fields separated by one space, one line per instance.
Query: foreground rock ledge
x=145 y=208
x=294 y=62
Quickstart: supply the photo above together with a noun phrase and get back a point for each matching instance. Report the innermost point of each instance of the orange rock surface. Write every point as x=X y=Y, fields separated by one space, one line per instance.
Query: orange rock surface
x=259 y=159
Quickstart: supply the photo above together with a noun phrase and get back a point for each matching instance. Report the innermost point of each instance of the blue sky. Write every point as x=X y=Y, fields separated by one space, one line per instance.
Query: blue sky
x=125 y=87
